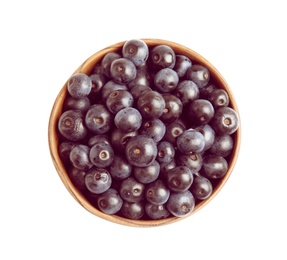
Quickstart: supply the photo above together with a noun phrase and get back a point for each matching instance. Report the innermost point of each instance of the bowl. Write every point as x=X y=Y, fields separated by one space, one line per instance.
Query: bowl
x=87 y=68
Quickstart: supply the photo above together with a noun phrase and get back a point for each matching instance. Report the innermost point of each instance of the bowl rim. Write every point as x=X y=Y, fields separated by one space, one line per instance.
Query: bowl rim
x=86 y=67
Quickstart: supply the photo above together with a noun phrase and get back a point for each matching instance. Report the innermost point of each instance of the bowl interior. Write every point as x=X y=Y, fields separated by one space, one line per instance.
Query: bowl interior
x=86 y=67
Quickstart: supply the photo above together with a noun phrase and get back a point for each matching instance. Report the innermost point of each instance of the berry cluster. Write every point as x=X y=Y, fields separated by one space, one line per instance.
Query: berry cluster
x=147 y=134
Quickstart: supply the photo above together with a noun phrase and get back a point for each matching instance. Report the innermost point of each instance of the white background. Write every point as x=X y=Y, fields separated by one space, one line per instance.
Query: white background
x=43 y=42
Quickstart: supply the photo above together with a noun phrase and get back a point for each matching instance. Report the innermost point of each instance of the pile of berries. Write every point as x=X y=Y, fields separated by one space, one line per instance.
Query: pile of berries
x=147 y=134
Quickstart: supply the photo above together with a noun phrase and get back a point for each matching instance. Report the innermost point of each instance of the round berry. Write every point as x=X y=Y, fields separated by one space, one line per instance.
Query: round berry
x=180 y=204
x=110 y=202
x=190 y=141
x=123 y=70
x=79 y=85
x=128 y=119
x=135 y=50
x=98 y=180
x=141 y=151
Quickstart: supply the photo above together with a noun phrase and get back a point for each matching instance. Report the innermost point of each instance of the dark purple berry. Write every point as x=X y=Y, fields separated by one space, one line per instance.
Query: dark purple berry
x=120 y=168
x=123 y=70
x=165 y=152
x=98 y=119
x=147 y=174
x=173 y=108
x=187 y=91
x=214 y=167
x=156 y=211
x=110 y=201
x=133 y=210
x=157 y=192
x=135 y=50
x=201 y=187
x=198 y=74
x=190 y=141
x=192 y=161
x=101 y=154
x=166 y=80
x=162 y=56
x=151 y=104
x=98 y=180
x=200 y=112
x=118 y=100
x=82 y=104
x=225 y=121
x=71 y=125
x=223 y=145
x=79 y=85
x=182 y=64
x=179 y=179
x=141 y=151
x=153 y=128
x=107 y=61
x=79 y=157
x=180 y=204
x=219 y=98
x=131 y=190
x=128 y=119
x=78 y=178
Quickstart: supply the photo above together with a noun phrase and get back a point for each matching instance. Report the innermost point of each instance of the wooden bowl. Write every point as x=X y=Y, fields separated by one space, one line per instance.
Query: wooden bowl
x=86 y=68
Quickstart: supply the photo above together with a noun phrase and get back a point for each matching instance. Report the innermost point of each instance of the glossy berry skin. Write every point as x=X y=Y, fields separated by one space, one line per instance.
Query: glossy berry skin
x=205 y=91
x=179 y=179
x=147 y=174
x=223 y=145
x=101 y=154
x=107 y=61
x=135 y=50
x=118 y=100
x=133 y=210
x=198 y=74
x=156 y=211
x=110 y=201
x=78 y=178
x=166 y=80
x=180 y=204
x=187 y=91
x=109 y=87
x=192 y=161
x=165 y=152
x=219 y=98
x=173 y=108
x=151 y=104
x=208 y=134
x=79 y=157
x=142 y=78
x=157 y=192
x=225 y=121
x=200 y=112
x=165 y=167
x=182 y=64
x=128 y=119
x=214 y=167
x=153 y=128
x=79 y=85
x=98 y=81
x=82 y=104
x=138 y=91
x=173 y=131
x=162 y=56
x=190 y=141
x=201 y=187
x=71 y=125
x=95 y=139
x=64 y=151
x=141 y=151
x=98 y=119
x=120 y=169
x=131 y=190
x=119 y=139
x=123 y=70
x=98 y=180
